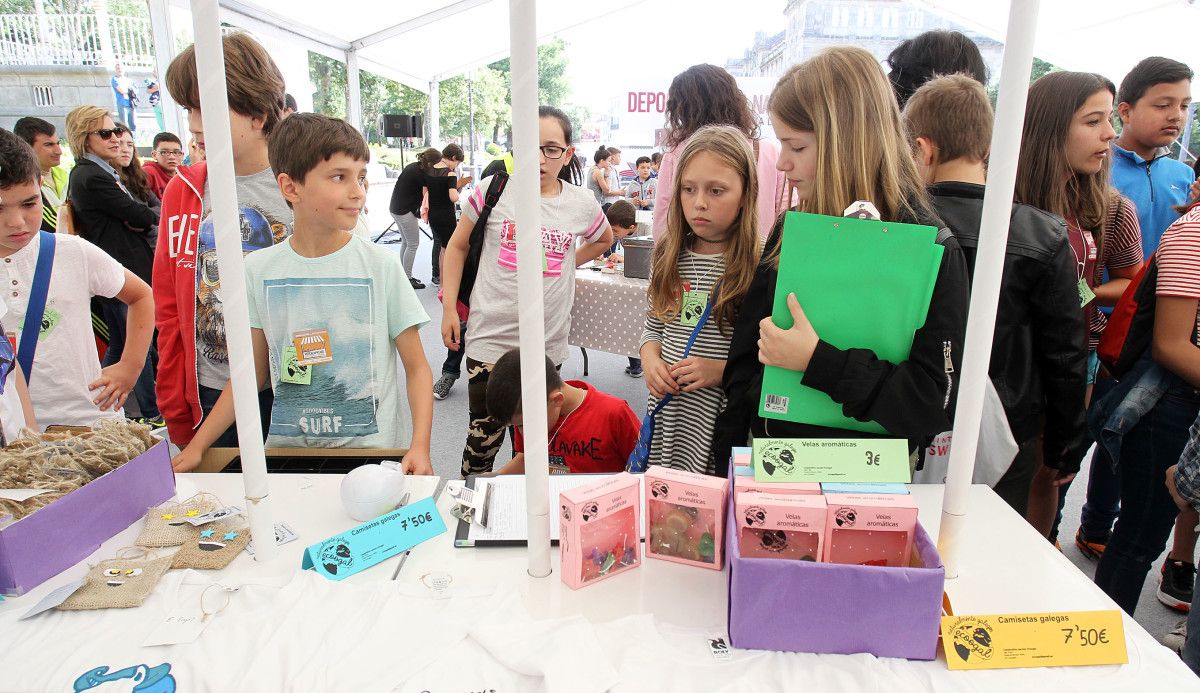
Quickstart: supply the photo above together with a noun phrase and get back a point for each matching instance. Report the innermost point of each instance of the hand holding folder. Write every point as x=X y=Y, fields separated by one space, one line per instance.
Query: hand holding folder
x=862 y=284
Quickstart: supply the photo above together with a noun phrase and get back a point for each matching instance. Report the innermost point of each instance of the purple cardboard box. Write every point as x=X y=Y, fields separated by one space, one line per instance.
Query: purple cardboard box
x=56 y=537
x=801 y=606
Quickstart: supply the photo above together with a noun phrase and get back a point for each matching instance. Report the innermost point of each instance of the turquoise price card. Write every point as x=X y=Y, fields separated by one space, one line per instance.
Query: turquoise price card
x=892 y=489
x=357 y=549
x=847 y=460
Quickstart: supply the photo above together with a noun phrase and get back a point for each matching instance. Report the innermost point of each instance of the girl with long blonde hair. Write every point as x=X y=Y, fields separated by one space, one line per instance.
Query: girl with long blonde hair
x=707 y=255
x=843 y=141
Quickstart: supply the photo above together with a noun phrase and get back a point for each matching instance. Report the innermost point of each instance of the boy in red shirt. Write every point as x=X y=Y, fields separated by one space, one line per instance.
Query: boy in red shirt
x=589 y=431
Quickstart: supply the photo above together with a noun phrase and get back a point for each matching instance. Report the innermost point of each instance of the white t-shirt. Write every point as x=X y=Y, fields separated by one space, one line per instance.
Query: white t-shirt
x=361 y=296
x=66 y=361
x=492 y=325
x=12 y=415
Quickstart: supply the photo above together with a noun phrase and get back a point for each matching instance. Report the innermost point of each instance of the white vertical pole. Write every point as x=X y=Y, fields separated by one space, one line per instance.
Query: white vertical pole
x=218 y=145
x=104 y=29
x=989 y=267
x=525 y=190
x=353 y=91
x=44 y=52
x=434 y=126
x=164 y=52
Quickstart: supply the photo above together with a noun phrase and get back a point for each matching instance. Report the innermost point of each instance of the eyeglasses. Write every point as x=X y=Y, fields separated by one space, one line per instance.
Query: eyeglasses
x=551 y=151
x=108 y=133
x=169 y=152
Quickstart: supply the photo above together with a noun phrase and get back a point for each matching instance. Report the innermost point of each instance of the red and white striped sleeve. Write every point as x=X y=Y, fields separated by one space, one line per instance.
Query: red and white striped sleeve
x=1179 y=258
x=1124 y=238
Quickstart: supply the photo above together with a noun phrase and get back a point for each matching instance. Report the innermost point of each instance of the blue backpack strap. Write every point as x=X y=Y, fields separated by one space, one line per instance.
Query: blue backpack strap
x=36 y=307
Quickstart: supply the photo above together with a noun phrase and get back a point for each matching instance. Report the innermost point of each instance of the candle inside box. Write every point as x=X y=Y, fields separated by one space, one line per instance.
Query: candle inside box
x=867 y=529
x=599 y=529
x=780 y=526
x=685 y=514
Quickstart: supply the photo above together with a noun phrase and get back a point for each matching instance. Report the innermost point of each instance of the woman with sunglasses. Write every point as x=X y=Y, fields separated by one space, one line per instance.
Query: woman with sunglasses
x=107 y=212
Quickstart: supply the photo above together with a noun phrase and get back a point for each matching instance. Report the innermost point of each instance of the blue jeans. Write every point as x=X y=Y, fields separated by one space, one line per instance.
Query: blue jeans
x=453 y=363
x=1191 y=646
x=229 y=439
x=1147 y=511
x=115 y=315
x=125 y=115
x=1103 y=502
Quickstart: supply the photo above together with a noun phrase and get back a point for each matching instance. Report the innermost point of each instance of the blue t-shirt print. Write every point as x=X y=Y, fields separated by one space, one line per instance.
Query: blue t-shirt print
x=339 y=399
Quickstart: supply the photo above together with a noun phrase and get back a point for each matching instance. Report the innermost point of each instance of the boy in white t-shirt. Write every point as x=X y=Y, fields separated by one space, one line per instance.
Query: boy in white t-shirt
x=66 y=385
x=330 y=313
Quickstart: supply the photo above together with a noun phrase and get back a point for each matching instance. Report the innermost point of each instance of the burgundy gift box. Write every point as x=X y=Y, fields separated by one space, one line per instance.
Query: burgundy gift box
x=802 y=606
x=56 y=537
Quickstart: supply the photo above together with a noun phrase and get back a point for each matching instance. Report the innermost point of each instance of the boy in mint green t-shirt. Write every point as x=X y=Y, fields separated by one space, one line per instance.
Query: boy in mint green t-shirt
x=330 y=313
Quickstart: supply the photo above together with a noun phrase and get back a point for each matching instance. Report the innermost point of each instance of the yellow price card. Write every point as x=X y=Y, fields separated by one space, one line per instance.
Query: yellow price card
x=1015 y=641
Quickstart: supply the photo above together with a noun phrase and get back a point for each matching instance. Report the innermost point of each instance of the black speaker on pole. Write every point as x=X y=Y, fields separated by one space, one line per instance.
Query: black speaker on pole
x=418 y=125
x=395 y=125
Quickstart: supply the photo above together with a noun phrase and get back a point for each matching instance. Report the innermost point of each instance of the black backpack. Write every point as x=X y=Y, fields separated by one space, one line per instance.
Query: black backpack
x=475 y=250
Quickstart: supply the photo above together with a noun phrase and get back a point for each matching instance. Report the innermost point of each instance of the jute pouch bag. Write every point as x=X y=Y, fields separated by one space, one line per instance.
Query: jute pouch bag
x=212 y=546
x=167 y=525
x=119 y=583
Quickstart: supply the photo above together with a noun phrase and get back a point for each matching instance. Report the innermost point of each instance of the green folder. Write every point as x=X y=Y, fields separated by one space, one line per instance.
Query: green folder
x=863 y=284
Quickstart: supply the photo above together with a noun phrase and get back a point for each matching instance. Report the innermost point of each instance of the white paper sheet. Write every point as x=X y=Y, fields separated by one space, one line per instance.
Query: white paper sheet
x=506 y=519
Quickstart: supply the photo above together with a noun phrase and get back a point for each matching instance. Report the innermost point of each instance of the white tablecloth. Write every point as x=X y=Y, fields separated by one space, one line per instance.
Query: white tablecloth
x=609 y=312
x=1008 y=569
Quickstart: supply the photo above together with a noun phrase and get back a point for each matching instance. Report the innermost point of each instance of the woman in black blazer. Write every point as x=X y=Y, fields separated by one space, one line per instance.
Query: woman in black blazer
x=105 y=212
x=110 y=216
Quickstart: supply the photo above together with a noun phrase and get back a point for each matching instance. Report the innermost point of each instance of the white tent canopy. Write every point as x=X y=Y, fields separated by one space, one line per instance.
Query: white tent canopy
x=415 y=42
x=1104 y=36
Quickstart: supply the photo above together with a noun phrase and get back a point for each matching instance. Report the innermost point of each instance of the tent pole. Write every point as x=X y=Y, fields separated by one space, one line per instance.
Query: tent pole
x=525 y=189
x=989 y=267
x=218 y=145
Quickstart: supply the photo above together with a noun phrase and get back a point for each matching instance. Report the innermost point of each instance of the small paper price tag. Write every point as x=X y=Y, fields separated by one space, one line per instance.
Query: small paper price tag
x=283 y=535
x=1014 y=641
x=180 y=627
x=54 y=598
x=213 y=516
x=21 y=494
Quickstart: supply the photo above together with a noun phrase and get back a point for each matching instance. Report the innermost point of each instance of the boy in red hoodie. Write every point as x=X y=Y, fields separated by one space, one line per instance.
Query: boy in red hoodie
x=193 y=358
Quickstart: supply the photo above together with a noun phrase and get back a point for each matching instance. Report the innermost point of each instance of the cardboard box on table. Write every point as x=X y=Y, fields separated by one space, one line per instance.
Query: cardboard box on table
x=802 y=606
x=63 y=533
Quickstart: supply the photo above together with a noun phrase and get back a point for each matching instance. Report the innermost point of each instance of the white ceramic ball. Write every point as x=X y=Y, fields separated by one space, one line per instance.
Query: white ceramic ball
x=372 y=490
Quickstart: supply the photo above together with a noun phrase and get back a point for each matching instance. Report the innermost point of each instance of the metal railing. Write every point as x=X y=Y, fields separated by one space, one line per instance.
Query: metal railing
x=74 y=39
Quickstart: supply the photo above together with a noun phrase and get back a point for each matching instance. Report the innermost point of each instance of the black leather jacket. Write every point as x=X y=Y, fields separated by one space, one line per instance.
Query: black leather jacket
x=913 y=399
x=110 y=218
x=1039 y=350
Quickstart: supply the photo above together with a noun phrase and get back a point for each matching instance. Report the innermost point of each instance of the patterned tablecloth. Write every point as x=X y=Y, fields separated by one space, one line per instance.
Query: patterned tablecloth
x=609 y=312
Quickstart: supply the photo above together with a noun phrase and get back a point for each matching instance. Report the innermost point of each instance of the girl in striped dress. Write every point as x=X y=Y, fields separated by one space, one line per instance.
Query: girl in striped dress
x=708 y=253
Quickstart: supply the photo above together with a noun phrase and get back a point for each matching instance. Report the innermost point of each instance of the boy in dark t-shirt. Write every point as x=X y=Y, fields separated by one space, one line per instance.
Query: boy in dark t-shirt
x=589 y=431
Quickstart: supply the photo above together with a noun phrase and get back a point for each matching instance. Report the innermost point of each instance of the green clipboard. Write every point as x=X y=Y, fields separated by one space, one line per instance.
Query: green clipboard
x=862 y=284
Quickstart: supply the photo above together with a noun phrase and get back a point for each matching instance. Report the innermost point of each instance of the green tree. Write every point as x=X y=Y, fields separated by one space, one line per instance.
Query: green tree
x=553 y=86
x=329 y=78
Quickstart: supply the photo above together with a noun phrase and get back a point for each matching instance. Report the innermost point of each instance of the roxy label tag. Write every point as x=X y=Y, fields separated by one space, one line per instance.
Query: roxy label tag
x=720 y=649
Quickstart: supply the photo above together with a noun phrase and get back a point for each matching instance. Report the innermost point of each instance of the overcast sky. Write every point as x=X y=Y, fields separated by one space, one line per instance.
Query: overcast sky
x=653 y=40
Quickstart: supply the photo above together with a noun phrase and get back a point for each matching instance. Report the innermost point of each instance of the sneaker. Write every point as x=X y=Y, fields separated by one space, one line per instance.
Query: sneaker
x=1175 y=639
x=1091 y=548
x=156 y=422
x=416 y=283
x=442 y=387
x=1175 y=587
x=437 y=281
x=633 y=371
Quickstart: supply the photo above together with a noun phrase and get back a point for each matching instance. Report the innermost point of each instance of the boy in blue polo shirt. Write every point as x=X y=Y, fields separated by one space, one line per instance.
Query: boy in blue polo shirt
x=1153 y=104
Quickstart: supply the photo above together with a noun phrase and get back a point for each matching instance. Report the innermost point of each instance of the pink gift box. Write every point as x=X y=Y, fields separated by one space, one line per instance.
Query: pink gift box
x=685 y=517
x=56 y=537
x=781 y=526
x=599 y=530
x=802 y=606
x=869 y=529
